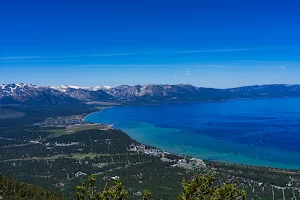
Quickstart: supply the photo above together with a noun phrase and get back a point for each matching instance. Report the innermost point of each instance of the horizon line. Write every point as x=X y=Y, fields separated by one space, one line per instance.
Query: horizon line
x=85 y=87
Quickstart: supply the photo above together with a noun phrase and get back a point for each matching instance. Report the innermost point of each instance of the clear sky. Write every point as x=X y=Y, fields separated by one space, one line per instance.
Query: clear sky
x=210 y=43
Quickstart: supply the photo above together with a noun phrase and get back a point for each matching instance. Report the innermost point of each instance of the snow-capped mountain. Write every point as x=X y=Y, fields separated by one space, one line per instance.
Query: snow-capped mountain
x=31 y=93
x=96 y=88
x=162 y=93
x=27 y=93
x=85 y=93
x=64 y=88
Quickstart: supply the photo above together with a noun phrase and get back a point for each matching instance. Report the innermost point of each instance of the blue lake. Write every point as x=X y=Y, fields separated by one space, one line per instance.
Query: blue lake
x=263 y=132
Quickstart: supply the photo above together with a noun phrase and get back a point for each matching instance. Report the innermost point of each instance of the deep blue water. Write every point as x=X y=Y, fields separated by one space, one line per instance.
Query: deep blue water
x=255 y=132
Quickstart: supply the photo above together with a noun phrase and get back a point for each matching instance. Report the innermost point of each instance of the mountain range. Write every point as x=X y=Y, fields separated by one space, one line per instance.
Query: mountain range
x=138 y=94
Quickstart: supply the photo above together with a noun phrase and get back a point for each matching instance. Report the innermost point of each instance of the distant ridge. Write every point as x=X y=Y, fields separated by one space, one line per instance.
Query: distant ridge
x=137 y=94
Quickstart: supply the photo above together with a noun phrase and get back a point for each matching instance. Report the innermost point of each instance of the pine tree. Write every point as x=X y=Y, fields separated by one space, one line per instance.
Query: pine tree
x=203 y=188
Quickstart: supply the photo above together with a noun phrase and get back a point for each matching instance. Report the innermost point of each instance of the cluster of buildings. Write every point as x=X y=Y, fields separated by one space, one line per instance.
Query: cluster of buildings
x=150 y=151
x=191 y=164
x=187 y=163
x=65 y=144
x=62 y=121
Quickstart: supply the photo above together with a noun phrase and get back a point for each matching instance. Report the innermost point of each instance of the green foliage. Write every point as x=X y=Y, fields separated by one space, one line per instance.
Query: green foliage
x=199 y=188
x=115 y=192
x=80 y=192
x=203 y=188
x=10 y=189
x=146 y=195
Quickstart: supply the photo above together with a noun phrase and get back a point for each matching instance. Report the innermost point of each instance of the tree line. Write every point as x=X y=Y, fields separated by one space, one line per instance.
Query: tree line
x=199 y=187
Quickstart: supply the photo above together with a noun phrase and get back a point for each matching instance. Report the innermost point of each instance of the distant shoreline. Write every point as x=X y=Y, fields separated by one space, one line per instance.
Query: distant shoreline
x=96 y=112
x=203 y=101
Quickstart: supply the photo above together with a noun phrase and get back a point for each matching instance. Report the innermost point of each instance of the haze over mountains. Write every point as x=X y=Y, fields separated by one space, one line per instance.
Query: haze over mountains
x=138 y=94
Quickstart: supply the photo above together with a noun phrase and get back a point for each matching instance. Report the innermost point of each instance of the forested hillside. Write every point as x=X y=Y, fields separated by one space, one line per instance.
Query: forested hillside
x=13 y=190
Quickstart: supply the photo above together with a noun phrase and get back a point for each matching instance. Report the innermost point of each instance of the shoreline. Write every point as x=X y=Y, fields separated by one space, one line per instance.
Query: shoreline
x=174 y=150
x=96 y=112
x=277 y=169
x=289 y=168
x=204 y=101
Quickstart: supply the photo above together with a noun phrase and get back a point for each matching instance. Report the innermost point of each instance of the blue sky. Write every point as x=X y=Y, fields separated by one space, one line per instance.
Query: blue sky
x=205 y=43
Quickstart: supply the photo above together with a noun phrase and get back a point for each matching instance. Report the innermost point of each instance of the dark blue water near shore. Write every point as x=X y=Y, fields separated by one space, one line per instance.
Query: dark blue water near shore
x=254 y=132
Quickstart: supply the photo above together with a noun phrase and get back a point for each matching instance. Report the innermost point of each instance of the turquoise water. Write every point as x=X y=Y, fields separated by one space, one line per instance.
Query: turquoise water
x=262 y=132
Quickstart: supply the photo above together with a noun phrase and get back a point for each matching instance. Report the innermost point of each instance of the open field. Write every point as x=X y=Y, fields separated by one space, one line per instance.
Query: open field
x=73 y=129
